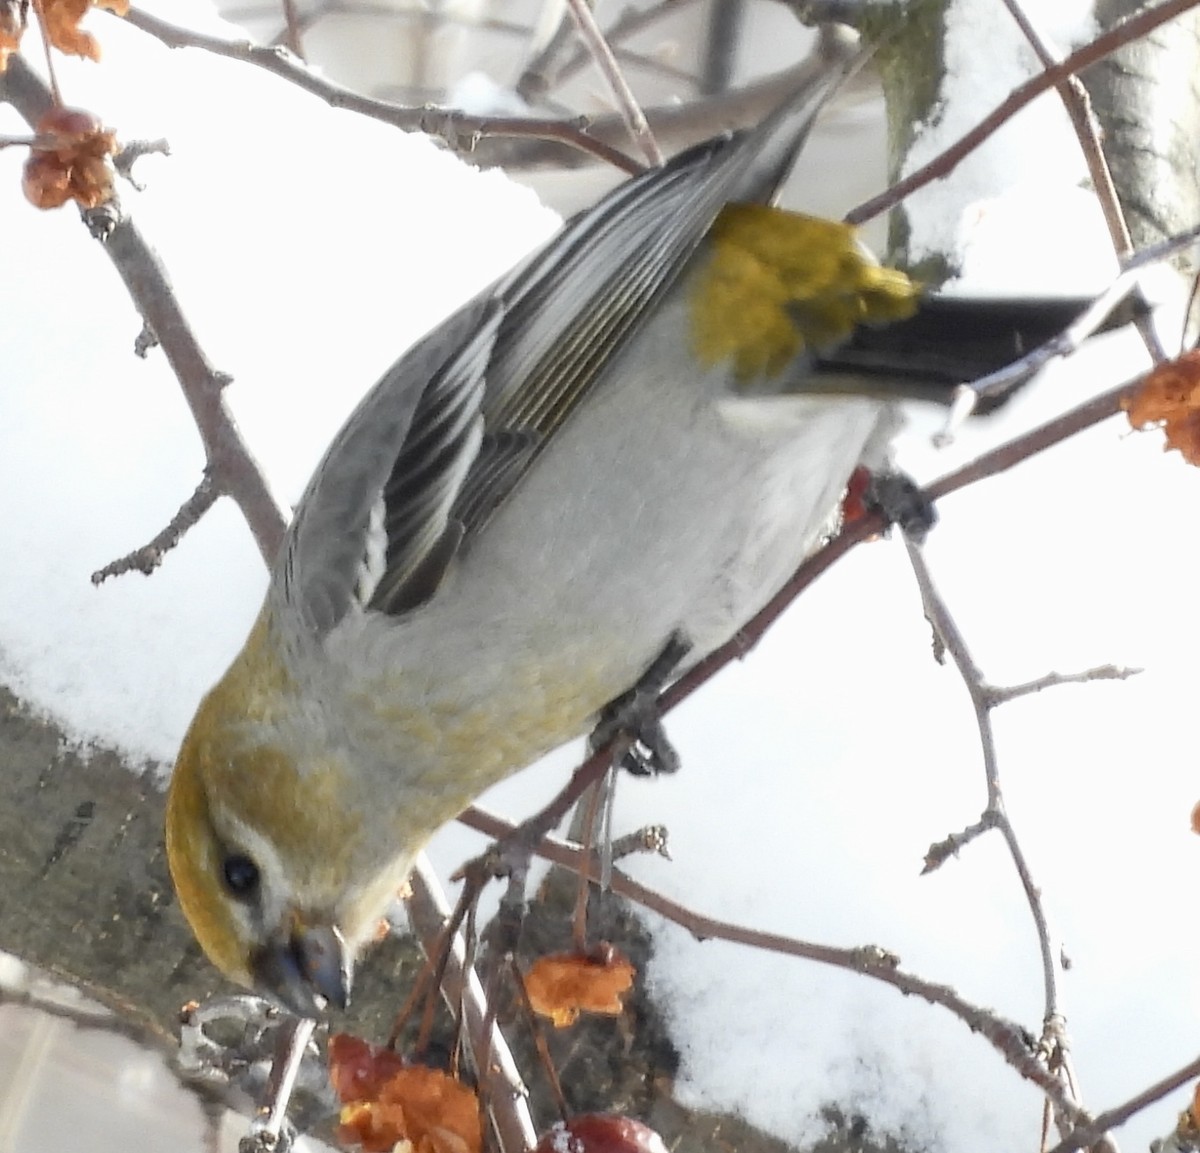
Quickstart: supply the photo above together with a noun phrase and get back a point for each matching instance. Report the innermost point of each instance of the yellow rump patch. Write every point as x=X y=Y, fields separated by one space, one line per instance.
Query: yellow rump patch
x=779 y=283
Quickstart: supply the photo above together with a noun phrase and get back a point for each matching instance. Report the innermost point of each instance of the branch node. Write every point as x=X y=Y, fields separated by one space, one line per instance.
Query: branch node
x=941 y=851
x=124 y=160
x=102 y=220
x=145 y=340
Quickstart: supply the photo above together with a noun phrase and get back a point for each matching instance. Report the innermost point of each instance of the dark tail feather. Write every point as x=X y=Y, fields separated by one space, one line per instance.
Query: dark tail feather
x=952 y=341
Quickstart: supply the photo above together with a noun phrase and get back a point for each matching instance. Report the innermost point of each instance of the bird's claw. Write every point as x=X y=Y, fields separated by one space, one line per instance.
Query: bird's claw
x=899 y=500
x=633 y=718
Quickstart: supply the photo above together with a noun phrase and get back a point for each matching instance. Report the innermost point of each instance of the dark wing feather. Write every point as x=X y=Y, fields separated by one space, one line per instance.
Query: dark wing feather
x=569 y=311
x=571 y=308
x=373 y=527
x=445 y=437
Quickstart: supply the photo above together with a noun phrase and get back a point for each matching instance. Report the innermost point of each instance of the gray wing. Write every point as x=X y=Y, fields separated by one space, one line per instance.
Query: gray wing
x=443 y=439
x=377 y=507
x=571 y=309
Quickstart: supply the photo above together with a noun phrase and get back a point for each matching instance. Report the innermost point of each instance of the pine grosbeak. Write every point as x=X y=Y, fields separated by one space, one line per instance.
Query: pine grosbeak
x=636 y=435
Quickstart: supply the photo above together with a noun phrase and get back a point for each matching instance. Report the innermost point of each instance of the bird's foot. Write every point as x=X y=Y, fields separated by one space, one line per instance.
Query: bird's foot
x=899 y=500
x=633 y=717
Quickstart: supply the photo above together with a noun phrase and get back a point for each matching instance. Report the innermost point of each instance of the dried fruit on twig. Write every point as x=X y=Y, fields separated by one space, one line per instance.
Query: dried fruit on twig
x=70 y=161
x=387 y=1103
x=12 y=27
x=1170 y=397
x=600 y=1133
x=854 y=499
x=61 y=19
x=1187 y=1127
x=564 y=985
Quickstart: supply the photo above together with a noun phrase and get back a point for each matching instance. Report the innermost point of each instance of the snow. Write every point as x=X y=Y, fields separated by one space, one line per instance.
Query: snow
x=309 y=247
x=1031 y=157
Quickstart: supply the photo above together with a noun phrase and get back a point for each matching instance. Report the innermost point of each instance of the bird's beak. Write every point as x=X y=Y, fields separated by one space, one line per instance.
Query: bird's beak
x=307 y=968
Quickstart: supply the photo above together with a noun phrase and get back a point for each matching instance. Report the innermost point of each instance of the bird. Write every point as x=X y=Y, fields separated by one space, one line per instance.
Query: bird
x=620 y=449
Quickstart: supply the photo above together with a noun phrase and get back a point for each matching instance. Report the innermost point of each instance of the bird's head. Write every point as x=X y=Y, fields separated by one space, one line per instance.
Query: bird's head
x=240 y=877
x=275 y=858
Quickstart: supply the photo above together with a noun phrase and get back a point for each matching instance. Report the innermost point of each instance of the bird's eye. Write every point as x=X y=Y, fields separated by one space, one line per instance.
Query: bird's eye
x=241 y=875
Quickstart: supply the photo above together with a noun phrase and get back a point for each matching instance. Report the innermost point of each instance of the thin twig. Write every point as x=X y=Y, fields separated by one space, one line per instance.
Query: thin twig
x=947 y=630
x=230 y=462
x=267 y=1129
x=627 y=104
x=1002 y=694
x=1004 y=380
x=1088 y=1134
x=537 y=79
x=147 y=558
x=293 y=34
x=538 y=1033
x=941 y=851
x=456 y=129
x=589 y=805
x=1008 y=1038
x=1078 y=105
x=1029 y=444
x=51 y=72
x=494 y=1064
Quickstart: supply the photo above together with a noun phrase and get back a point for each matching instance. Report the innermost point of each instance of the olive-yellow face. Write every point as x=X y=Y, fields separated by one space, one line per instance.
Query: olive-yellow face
x=236 y=889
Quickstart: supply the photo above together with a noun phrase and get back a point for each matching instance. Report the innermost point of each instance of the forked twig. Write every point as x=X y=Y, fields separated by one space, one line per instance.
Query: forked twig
x=631 y=112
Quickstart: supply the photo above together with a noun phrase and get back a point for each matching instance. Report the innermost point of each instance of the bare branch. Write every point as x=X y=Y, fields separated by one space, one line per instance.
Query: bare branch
x=267 y=1131
x=1089 y=1134
x=1070 y=340
x=506 y=1093
x=948 y=633
x=1037 y=440
x=1079 y=108
x=1013 y=1043
x=229 y=460
x=999 y=695
x=147 y=558
x=457 y=129
x=538 y=79
x=627 y=103
x=130 y=153
x=1128 y=30
x=941 y=851
x=293 y=34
